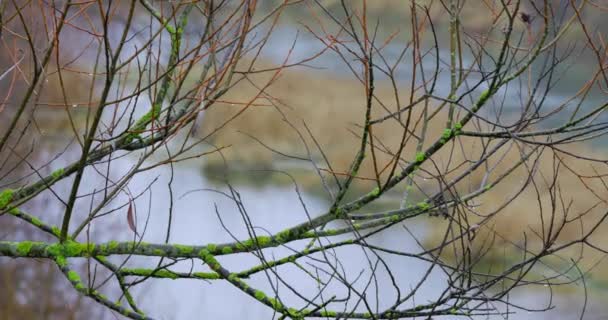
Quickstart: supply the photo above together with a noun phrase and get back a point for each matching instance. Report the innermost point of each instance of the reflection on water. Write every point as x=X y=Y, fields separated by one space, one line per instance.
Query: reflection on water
x=195 y=221
x=272 y=208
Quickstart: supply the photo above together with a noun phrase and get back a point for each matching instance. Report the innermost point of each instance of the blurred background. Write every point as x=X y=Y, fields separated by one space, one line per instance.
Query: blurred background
x=321 y=96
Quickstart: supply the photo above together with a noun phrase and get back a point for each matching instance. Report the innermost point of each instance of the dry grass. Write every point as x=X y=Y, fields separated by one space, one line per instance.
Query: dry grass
x=333 y=108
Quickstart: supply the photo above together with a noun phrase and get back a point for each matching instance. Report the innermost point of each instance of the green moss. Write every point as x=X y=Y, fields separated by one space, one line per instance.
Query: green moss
x=227 y=250
x=170 y=28
x=72 y=248
x=249 y=243
x=264 y=241
x=206 y=275
x=487 y=187
x=73 y=276
x=209 y=259
x=103 y=249
x=184 y=250
x=141 y=123
x=6 y=197
x=69 y=249
x=283 y=236
x=55 y=250
x=136 y=271
x=356 y=226
x=112 y=245
x=294 y=313
x=55 y=231
x=35 y=221
x=15 y=211
x=260 y=295
x=423 y=205
x=57 y=173
x=395 y=218
x=457 y=128
x=62 y=262
x=375 y=192
x=309 y=234
x=132 y=136
x=447 y=133
x=275 y=304
x=149 y=273
x=306 y=251
x=330 y=314
x=212 y=247
x=166 y=274
x=485 y=95
x=233 y=277
x=147 y=118
x=420 y=156
x=338 y=213
x=23 y=248
x=158 y=252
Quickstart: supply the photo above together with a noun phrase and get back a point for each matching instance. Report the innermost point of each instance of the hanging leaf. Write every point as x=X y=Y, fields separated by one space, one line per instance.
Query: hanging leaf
x=131 y=218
